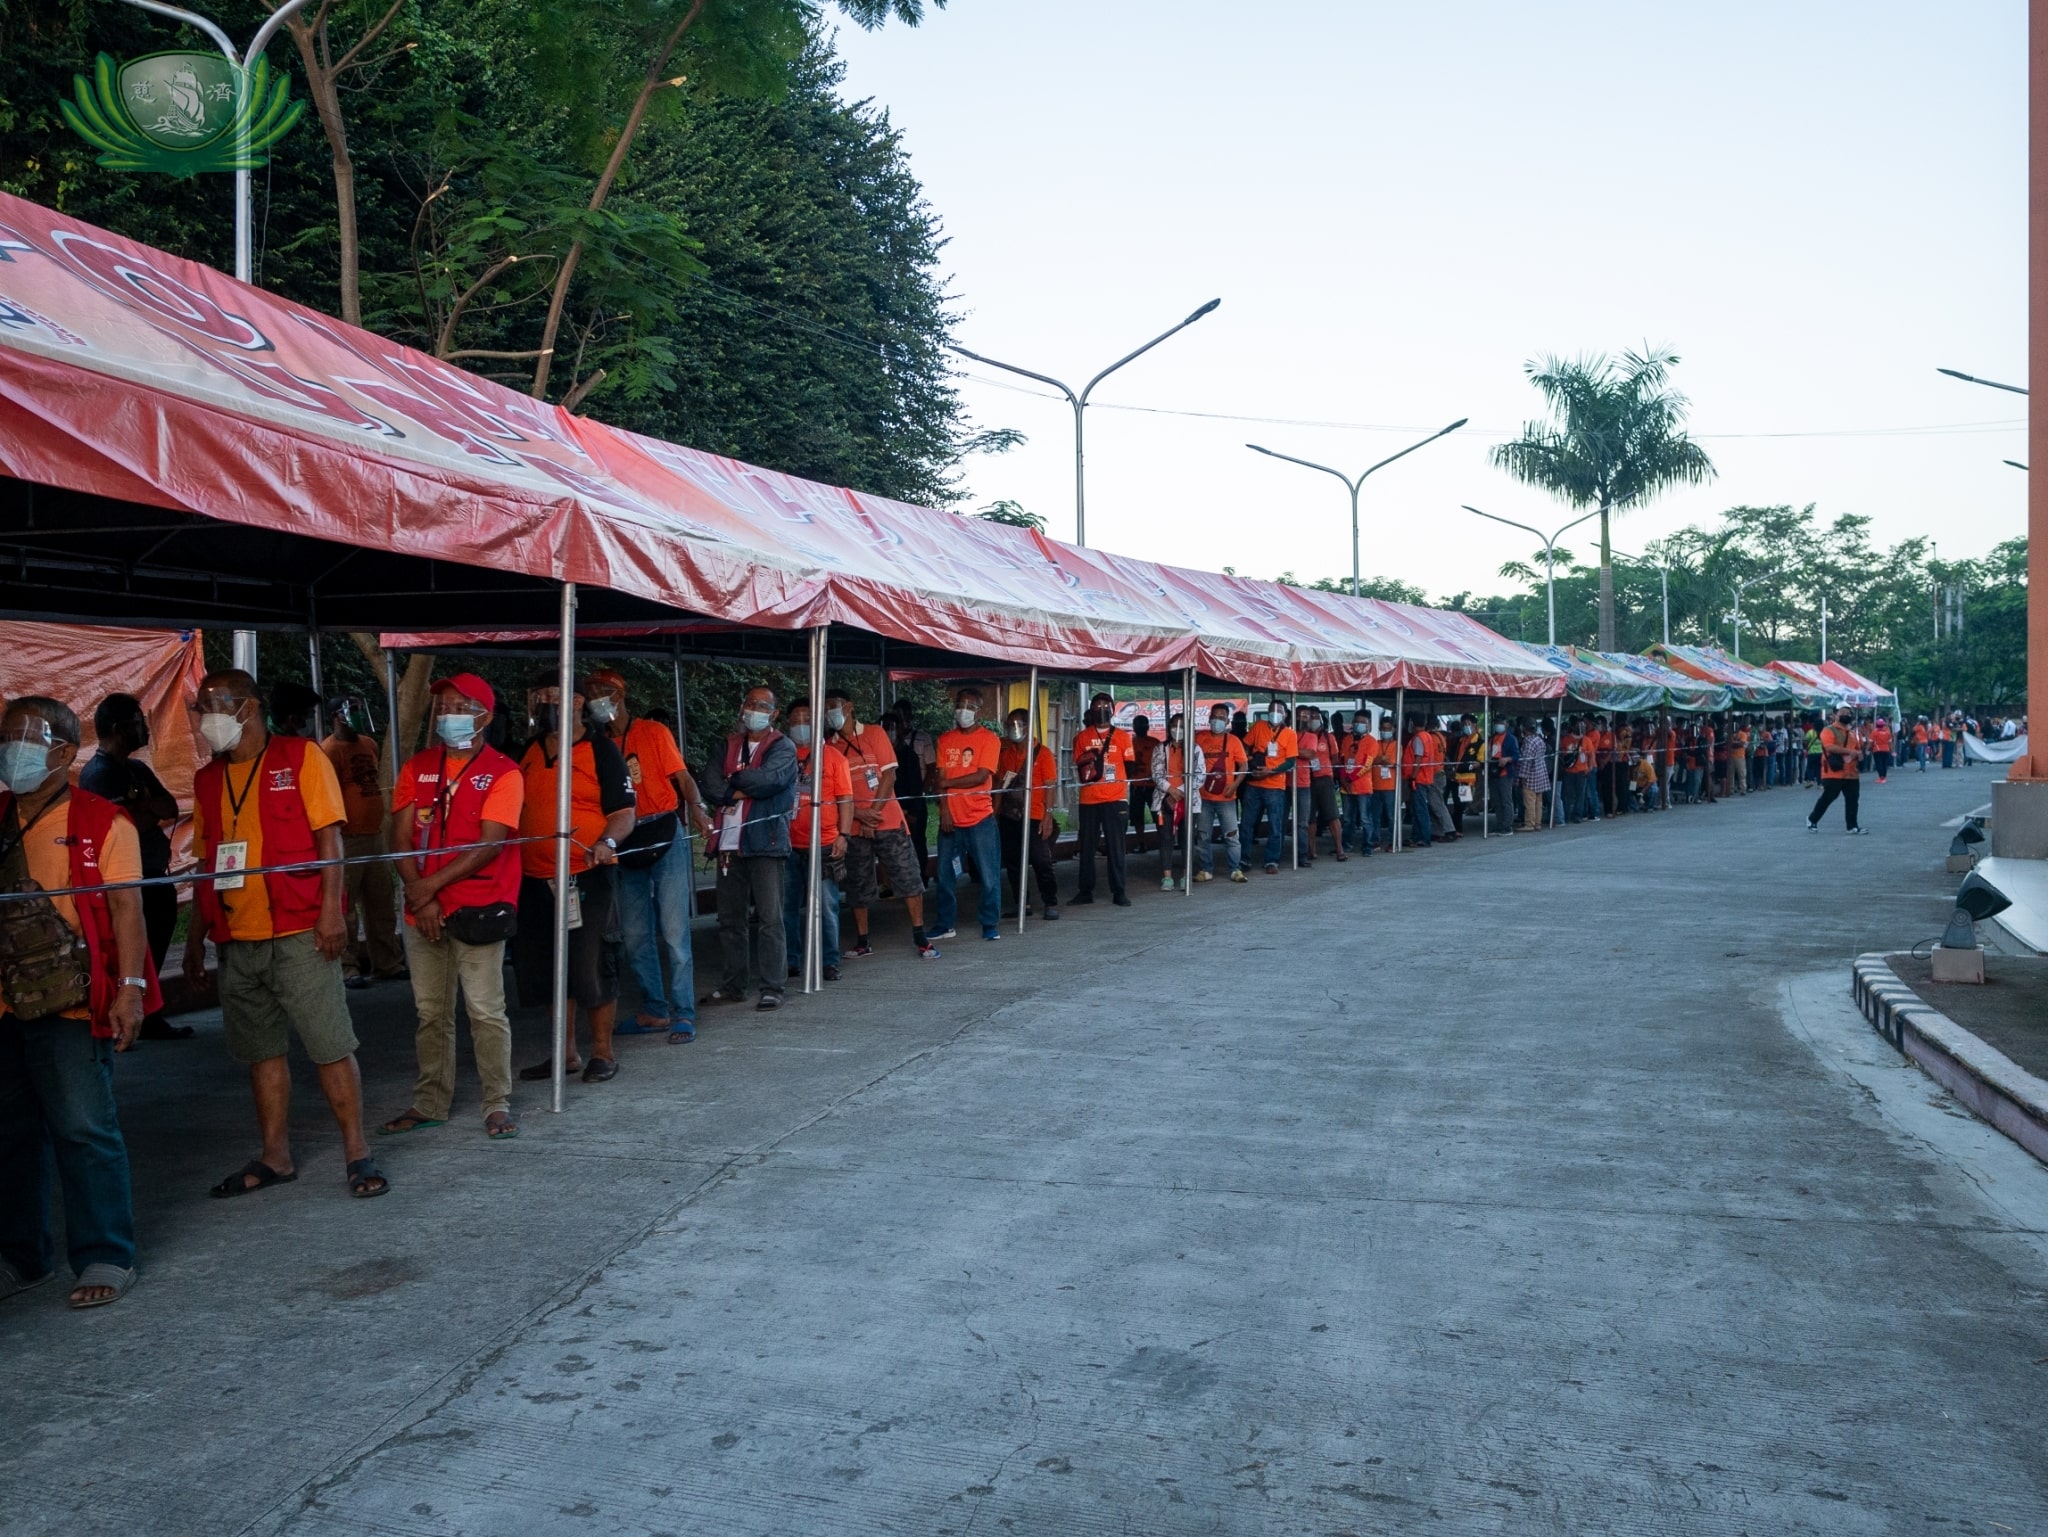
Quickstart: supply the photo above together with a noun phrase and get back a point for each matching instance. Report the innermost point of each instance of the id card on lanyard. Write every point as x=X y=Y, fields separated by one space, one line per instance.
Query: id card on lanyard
x=575 y=901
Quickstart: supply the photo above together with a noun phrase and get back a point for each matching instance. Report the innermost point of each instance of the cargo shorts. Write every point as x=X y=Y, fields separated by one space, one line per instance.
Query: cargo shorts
x=270 y=987
x=889 y=850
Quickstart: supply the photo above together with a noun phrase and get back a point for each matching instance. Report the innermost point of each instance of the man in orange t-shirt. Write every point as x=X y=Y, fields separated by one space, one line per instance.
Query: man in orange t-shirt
x=1027 y=831
x=878 y=842
x=1358 y=752
x=1272 y=751
x=1225 y=759
x=1102 y=766
x=368 y=886
x=967 y=758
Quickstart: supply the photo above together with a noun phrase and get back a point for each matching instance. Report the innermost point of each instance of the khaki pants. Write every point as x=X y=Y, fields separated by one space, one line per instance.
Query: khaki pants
x=1738 y=775
x=1532 y=807
x=372 y=891
x=438 y=966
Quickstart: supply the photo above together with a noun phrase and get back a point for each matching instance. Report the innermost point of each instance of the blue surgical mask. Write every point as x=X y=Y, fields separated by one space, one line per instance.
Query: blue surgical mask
x=456 y=731
x=754 y=720
x=24 y=765
x=835 y=720
x=801 y=735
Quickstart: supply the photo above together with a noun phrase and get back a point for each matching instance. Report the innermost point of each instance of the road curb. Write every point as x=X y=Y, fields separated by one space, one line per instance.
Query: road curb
x=1995 y=1088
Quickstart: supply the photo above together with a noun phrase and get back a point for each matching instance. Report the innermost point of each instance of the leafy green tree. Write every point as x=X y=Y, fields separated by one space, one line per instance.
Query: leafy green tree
x=1615 y=436
x=1016 y=514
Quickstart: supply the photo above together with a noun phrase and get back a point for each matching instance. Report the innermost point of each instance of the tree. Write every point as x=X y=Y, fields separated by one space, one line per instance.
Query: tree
x=1615 y=436
x=1004 y=510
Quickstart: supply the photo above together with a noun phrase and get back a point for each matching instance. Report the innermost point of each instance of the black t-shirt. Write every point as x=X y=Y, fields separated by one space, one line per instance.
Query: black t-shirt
x=115 y=779
x=614 y=783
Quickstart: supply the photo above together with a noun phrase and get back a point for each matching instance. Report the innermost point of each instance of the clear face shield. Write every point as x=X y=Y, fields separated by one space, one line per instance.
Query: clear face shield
x=218 y=718
x=26 y=746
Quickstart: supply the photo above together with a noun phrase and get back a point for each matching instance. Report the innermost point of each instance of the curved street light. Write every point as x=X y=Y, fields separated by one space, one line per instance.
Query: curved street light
x=1353 y=485
x=1080 y=403
x=1549 y=554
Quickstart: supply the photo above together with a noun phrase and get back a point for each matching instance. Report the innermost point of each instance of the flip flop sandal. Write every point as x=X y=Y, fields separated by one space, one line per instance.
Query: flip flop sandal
x=11 y=1280
x=399 y=1125
x=639 y=1026
x=681 y=1033
x=101 y=1274
x=505 y=1129
x=361 y=1174
x=237 y=1183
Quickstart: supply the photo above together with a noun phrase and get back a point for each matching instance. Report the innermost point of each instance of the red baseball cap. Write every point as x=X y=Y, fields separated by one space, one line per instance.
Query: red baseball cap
x=469 y=686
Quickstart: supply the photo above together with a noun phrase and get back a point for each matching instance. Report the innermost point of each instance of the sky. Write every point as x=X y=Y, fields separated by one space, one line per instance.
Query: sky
x=1815 y=205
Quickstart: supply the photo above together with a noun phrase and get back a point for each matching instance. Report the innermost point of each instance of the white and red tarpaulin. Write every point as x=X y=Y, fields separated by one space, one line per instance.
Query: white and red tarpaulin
x=240 y=406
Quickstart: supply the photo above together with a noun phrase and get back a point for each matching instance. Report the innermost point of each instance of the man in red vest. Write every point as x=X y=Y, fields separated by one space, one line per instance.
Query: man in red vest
x=461 y=793
x=265 y=801
x=77 y=979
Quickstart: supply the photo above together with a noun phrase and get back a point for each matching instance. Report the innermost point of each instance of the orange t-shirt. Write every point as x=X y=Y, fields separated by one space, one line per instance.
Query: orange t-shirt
x=1278 y=743
x=652 y=762
x=587 y=815
x=48 y=847
x=1044 y=769
x=838 y=787
x=356 y=767
x=1223 y=744
x=967 y=752
x=248 y=909
x=501 y=802
x=1359 y=756
x=1116 y=748
x=870 y=755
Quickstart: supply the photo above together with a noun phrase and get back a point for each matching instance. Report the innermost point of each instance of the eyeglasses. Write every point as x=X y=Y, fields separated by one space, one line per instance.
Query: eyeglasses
x=221 y=702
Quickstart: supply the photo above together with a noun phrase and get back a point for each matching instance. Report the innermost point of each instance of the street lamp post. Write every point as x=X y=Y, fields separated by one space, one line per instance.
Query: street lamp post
x=1739 y=588
x=1549 y=555
x=1353 y=485
x=1663 y=585
x=1079 y=402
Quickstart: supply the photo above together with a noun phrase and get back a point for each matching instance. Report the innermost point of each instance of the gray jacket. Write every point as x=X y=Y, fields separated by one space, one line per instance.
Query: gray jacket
x=770 y=788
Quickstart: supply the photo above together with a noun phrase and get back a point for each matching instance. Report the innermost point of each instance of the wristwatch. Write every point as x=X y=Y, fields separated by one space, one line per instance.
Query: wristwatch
x=141 y=982
x=610 y=843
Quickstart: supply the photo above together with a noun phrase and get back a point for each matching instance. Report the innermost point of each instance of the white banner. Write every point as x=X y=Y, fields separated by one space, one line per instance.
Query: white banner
x=1994 y=752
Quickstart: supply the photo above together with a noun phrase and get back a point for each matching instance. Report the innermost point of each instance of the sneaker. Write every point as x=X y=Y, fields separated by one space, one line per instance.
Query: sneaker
x=858 y=949
x=1166 y=883
x=944 y=934
x=831 y=973
x=355 y=983
x=991 y=934
x=1120 y=901
x=927 y=951
x=1272 y=869
x=1859 y=832
x=1239 y=877
x=1052 y=914
x=1813 y=827
x=1203 y=877
x=770 y=999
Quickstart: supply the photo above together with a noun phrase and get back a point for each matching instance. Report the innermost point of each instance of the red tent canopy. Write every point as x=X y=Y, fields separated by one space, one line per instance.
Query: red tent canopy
x=142 y=378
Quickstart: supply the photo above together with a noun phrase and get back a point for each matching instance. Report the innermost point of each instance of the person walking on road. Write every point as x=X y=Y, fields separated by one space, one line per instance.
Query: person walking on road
x=1841 y=753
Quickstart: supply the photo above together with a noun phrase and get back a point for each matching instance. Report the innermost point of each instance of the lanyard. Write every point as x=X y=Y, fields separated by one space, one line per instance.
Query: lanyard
x=237 y=802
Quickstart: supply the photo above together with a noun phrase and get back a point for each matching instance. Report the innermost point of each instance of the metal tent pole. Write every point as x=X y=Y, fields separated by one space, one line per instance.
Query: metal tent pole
x=391 y=710
x=321 y=724
x=1029 y=826
x=814 y=906
x=1400 y=758
x=1485 y=766
x=1291 y=822
x=565 y=774
x=1557 y=766
x=1189 y=788
x=683 y=830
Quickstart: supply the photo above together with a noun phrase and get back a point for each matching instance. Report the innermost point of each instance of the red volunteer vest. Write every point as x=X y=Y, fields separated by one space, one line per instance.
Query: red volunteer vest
x=91 y=818
x=455 y=816
x=287 y=837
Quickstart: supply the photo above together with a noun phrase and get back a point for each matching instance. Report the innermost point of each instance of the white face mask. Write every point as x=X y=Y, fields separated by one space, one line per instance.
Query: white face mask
x=801 y=735
x=966 y=718
x=24 y=766
x=1016 y=731
x=604 y=711
x=1173 y=733
x=1278 y=717
x=456 y=731
x=222 y=732
x=835 y=720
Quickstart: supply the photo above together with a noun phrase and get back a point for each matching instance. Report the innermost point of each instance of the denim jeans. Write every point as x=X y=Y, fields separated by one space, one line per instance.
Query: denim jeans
x=1217 y=814
x=1355 y=818
x=1418 y=808
x=978 y=849
x=1379 y=817
x=1272 y=804
x=796 y=887
x=57 y=1107
x=654 y=923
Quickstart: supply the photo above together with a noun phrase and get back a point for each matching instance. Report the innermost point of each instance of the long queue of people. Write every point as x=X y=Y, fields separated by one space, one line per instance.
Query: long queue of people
x=300 y=858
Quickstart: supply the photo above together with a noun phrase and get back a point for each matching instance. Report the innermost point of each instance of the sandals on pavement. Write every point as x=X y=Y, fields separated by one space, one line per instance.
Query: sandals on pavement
x=12 y=1280
x=412 y=1120
x=500 y=1127
x=237 y=1183
x=724 y=995
x=681 y=1032
x=100 y=1275
x=364 y=1173
x=544 y=1070
x=642 y=1024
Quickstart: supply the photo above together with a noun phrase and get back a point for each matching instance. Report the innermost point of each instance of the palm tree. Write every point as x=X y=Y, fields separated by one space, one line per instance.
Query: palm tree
x=1615 y=436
